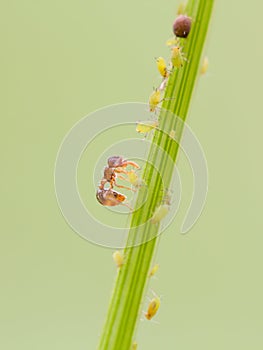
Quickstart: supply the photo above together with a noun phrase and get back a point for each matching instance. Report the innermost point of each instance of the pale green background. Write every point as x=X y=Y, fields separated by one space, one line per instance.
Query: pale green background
x=64 y=59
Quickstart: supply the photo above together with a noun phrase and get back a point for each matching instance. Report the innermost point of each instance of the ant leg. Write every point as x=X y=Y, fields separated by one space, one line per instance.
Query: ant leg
x=128 y=162
x=102 y=184
x=127 y=205
x=120 y=170
x=123 y=178
x=127 y=188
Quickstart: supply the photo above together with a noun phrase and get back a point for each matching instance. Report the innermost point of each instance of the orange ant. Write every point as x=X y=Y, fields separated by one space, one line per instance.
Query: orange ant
x=109 y=197
x=116 y=164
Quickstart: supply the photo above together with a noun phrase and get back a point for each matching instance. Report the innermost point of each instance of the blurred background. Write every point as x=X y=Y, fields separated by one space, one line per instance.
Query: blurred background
x=61 y=61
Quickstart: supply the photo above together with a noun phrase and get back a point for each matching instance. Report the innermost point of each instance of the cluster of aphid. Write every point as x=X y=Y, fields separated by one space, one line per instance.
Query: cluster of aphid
x=116 y=165
x=155 y=302
x=181 y=29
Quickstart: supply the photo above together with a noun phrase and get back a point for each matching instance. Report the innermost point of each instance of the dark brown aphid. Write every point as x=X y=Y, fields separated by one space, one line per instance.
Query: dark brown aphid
x=182 y=26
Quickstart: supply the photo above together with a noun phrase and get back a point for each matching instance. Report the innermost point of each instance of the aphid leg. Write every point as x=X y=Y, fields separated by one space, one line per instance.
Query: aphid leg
x=167 y=99
x=154 y=294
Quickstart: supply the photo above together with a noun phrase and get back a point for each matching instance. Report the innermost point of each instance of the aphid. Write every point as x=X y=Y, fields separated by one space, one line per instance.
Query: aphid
x=172 y=134
x=110 y=198
x=153 y=308
x=146 y=126
x=177 y=57
x=154 y=269
x=181 y=9
x=154 y=100
x=134 y=345
x=161 y=211
x=204 y=66
x=118 y=258
x=172 y=42
x=162 y=67
x=134 y=179
x=182 y=26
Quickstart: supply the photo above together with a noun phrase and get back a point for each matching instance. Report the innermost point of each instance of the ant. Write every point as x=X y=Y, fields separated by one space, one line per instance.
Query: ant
x=109 y=197
x=116 y=164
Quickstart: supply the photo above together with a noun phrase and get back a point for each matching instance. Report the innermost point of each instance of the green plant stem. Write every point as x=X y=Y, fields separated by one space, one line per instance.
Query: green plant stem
x=126 y=300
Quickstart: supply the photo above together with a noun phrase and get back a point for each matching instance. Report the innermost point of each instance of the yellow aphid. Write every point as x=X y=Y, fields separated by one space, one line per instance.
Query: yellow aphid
x=154 y=269
x=172 y=134
x=160 y=213
x=133 y=178
x=172 y=42
x=204 y=66
x=146 y=126
x=162 y=67
x=177 y=57
x=181 y=9
x=154 y=100
x=152 y=308
x=134 y=346
x=118 y=258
